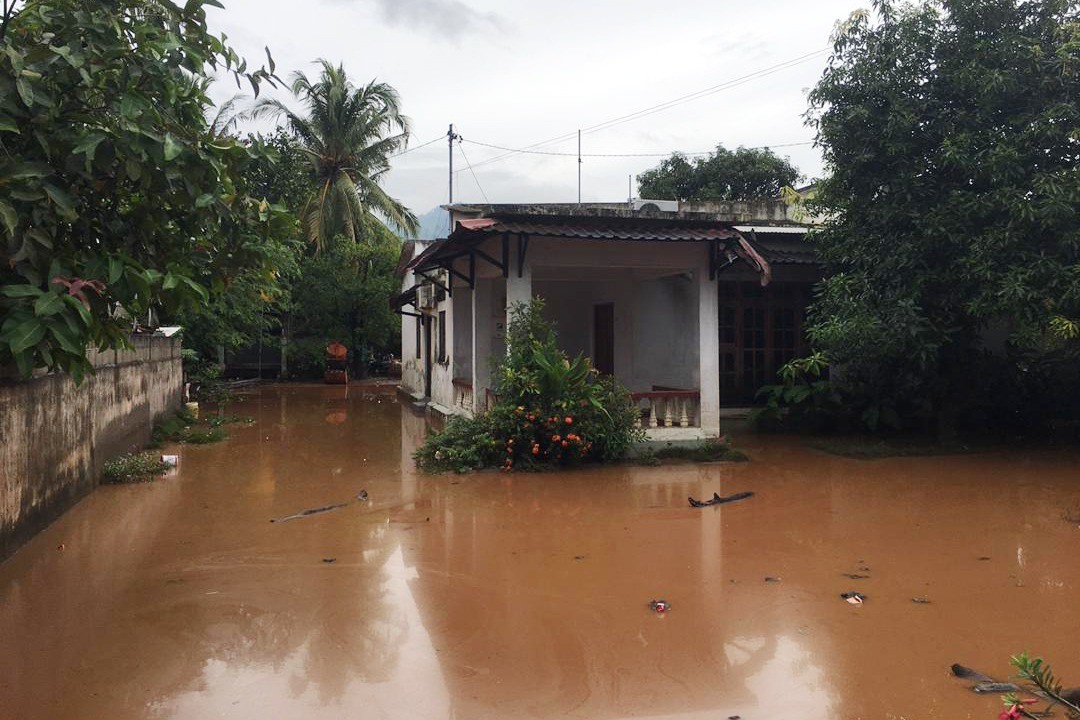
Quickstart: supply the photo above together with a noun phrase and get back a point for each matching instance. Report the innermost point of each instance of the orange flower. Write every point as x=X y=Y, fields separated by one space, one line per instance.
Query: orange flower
x=565 y=444
x=569 y=420
x=556 y=438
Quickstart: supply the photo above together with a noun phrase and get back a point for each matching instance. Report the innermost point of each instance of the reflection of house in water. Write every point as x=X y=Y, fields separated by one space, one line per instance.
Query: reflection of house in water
x=692 y=308
x=535 y=591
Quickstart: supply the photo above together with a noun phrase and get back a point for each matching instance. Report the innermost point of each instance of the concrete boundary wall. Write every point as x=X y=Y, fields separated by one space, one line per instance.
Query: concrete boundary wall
x=55 y=437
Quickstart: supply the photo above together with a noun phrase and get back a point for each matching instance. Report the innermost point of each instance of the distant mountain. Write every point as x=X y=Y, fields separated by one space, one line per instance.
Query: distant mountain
x=434 y=224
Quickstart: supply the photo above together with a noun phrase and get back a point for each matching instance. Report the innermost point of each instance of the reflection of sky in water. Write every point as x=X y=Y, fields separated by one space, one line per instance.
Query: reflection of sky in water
x=414 y=688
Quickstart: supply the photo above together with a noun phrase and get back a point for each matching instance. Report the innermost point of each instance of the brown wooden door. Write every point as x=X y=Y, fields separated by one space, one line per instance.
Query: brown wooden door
x=760 y=329
x=604 y=338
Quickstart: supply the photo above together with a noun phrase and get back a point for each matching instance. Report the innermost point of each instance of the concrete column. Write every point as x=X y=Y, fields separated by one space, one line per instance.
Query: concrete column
x=518 y=289
x=708 y=352
x=482 y=330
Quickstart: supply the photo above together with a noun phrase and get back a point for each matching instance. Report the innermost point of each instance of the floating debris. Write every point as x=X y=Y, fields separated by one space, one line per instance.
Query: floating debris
x=329 y=560
x=771 y=579
x=306 y=513
x=855 y=576
x=362 y=496
x=853 y=598
x=660 y=606
x=717 y=500
x=921 y=600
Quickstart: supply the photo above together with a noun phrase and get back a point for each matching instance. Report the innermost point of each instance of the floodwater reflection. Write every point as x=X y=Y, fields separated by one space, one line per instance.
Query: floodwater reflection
x=526 y=596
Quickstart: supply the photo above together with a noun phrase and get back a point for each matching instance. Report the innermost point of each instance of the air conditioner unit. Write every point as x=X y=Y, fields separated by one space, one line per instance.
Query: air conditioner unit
x=425 y=296
x=644 y=204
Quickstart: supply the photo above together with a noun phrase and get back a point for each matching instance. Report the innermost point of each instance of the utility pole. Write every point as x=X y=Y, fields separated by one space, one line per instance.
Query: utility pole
x=450 y=138
x=579 y=167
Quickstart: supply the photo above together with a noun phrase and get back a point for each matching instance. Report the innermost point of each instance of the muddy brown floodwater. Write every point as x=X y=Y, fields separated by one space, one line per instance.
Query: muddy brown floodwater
x=526 y=596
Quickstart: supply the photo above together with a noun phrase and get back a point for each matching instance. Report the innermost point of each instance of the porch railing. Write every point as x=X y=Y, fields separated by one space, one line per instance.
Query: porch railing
x=463 y=394
x=668 y=407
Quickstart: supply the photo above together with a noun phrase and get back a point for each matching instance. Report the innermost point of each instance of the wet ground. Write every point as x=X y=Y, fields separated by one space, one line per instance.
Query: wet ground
x=526 y=596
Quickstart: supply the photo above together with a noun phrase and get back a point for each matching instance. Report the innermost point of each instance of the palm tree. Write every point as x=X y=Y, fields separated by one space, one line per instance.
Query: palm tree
x=349 y=135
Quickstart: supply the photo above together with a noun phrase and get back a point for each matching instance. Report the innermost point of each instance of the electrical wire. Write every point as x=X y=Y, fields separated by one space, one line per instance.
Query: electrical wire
x=619 y=155
x=429 y=142
x=474 y=177
x=735 y=82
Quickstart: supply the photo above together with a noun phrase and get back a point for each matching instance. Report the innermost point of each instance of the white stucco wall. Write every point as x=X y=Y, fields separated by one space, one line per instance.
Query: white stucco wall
x=666 y=333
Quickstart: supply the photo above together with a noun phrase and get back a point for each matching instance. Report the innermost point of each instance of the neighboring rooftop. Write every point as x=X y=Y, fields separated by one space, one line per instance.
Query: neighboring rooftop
x=757 y=212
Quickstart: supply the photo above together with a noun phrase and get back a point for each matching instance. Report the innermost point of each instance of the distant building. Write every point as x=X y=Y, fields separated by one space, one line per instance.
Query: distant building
x=692 y=306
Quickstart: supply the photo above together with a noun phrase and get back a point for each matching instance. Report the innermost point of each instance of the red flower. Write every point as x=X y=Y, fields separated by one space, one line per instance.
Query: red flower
x=536 y=450
x=565 y=444
x=569 y=420
x=1012 y=713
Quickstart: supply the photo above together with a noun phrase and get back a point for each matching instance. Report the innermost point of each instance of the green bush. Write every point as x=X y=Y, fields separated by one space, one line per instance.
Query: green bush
x=183 y=427
x=550 y=411
x=132 y=468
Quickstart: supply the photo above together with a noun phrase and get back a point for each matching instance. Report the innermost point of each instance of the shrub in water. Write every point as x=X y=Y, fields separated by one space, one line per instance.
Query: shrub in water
x=133 y=467
x=550 y=410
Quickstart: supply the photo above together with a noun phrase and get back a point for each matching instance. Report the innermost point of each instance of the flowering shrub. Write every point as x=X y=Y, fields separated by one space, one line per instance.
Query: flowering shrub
x=551 y=410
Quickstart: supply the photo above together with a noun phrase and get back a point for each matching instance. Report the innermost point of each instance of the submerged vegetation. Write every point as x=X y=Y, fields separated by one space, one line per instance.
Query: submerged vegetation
x=551 y=410
x=133 y=468
x=708 y=451
x=184 y=427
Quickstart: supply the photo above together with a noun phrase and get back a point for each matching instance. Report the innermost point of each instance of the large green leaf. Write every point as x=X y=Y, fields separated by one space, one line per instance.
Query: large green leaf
x=172 y=148
x=63 y=201
x=26 y=335
x=9 y=217
x=20 y=291
x=48 y=304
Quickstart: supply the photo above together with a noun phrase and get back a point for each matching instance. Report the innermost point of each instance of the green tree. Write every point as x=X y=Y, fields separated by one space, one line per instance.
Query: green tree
x=349 y=135
x=950 y=132
x=342 y=294
x=115 y=197
x=745 y=174
x=255 y=302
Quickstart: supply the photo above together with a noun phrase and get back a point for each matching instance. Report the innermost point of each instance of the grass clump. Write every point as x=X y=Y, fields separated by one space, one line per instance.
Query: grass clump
x=873 y=448
x=133 y=468
x=184 y=427
x=708 y=451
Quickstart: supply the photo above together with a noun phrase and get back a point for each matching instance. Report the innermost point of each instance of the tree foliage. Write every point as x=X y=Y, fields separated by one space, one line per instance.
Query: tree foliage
x=950 y=132
x=342 y=294
x=746 y=174
x=115 y=197
x=348 y=135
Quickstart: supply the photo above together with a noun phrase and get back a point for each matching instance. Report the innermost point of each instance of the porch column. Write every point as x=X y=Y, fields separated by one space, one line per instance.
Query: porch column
x=708 y=352
x=482 y=329
x=518 y=289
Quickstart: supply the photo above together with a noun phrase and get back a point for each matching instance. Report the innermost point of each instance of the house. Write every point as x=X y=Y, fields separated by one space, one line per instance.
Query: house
x=692 y=306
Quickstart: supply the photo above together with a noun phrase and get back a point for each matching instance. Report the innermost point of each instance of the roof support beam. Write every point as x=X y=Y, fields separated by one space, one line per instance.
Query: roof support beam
x=506 y=255
x=522 y=251
x=435 y=282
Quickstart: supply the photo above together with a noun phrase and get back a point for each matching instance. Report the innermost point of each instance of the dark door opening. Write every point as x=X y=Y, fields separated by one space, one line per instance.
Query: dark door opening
x=604 y=338
x=427 y=356
x=760 y=329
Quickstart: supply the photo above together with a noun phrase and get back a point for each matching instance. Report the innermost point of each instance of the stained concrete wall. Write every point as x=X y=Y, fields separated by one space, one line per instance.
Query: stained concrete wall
x=55 y=437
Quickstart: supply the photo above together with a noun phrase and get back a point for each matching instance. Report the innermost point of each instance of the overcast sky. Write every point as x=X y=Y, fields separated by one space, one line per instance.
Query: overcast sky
x=517 y=72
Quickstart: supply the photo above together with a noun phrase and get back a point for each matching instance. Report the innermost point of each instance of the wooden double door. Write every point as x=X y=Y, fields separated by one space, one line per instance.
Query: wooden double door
x=760 y=329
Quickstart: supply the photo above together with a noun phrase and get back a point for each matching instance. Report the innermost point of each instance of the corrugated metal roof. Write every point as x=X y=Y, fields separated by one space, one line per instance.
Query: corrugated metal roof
x=603 y=229
x=777 y=229
x=783 y=249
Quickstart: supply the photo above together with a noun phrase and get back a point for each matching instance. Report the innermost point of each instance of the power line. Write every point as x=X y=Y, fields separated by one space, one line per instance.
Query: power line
x=469 y=165
x=429 y=142
x=666 y=105
x=524 y=151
